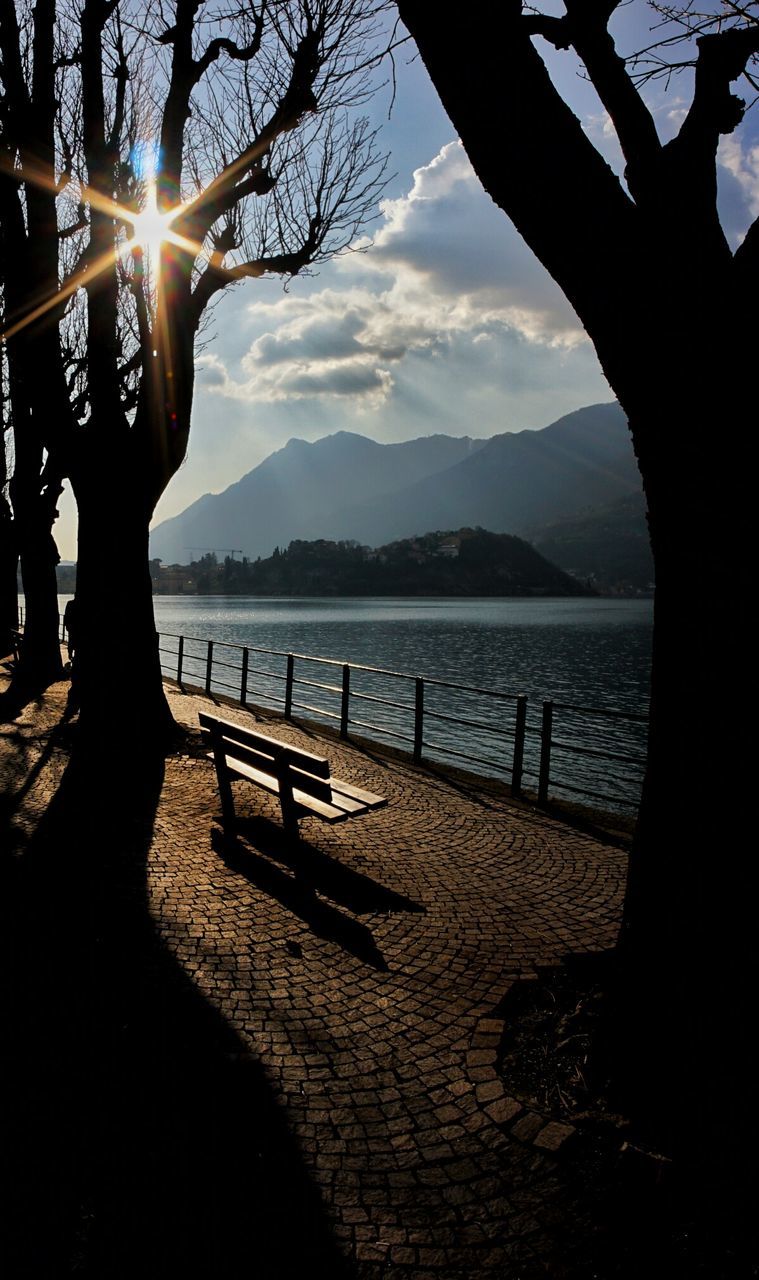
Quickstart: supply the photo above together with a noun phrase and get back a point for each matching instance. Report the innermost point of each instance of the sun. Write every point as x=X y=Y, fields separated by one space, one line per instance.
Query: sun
x=151 y=227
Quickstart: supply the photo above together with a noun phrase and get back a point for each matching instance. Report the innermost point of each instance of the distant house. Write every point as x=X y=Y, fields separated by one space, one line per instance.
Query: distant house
x=449 y=548
x=173 y=580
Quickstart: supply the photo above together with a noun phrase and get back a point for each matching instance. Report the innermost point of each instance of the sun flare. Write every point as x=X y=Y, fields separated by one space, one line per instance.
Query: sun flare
x=151 y=227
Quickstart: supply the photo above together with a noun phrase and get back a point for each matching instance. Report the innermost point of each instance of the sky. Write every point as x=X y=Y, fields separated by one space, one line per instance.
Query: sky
x=441 y=321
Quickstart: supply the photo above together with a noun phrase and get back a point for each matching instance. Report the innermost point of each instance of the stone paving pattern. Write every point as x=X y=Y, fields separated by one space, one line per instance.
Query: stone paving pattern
x=363 y=971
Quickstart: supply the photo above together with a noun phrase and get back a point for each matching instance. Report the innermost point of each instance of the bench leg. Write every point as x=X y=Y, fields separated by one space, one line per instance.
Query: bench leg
x=225 y=788
x=286 y=801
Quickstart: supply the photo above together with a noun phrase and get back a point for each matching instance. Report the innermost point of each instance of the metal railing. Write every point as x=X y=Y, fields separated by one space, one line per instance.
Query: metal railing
x=590 y=738
x=601 y=752
x=591 y=754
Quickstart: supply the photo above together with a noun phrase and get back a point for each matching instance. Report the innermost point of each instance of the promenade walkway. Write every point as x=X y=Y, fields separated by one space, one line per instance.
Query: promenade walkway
x=274 y=1061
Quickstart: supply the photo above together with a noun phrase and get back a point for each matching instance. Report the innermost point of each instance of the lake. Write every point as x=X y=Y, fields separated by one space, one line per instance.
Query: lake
x=588 y=653
x=578 y=650
x=591 y=653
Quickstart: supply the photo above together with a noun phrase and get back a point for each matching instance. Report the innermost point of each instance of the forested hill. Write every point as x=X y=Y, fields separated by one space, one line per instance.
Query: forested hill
x=469 y=562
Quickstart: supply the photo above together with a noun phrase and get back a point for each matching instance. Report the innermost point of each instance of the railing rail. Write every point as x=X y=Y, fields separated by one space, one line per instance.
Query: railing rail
x=569 y=749
x=591 y=742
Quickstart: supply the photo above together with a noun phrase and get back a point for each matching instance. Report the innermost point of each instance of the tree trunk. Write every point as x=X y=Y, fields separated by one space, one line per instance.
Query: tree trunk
x=40 y=663
x=34 y=496
x=663 y=300
x=117 y=672
x=35 y=487
x=8 y=572
x=687 y=957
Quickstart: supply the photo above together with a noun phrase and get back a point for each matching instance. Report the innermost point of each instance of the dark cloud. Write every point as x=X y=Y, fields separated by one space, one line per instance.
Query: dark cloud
x=344 y=380
x=330 y=337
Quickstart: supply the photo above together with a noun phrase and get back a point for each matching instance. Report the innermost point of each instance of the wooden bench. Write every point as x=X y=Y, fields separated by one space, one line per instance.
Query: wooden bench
x=301 y=780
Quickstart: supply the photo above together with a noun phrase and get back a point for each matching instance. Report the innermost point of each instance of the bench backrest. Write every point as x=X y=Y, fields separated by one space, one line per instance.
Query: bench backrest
x=309 y=773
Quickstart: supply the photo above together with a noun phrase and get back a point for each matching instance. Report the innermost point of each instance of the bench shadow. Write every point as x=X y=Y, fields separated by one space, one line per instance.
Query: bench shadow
x=142 y=1137
x=298 y=892
x=359 y=893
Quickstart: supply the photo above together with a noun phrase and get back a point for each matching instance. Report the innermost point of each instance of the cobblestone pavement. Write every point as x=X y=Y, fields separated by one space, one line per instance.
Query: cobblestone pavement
x=363 y=973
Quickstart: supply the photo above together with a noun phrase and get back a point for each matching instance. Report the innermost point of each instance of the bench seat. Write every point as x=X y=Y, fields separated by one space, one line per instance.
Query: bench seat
x=301 y=780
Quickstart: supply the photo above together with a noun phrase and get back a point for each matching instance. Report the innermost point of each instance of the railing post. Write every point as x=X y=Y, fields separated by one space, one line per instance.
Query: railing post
x=209 y=666
x=418 y=718
x=244 y=676
x=289 y=686
x=545 y=751
x=345 y=701
x=180 y=659
x=517 y=763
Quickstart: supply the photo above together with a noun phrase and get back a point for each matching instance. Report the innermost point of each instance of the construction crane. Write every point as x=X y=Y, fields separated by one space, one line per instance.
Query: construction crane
x=217 y=551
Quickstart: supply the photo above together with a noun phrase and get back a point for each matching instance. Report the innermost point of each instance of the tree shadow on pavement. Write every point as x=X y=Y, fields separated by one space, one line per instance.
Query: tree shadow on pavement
x=141 y=1136
x=13 y=701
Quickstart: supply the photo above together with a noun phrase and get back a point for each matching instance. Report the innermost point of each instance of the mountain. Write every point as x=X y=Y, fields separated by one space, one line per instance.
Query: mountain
x=609 y=545
x=349 y=487
x=295 y=492
x=514 y=482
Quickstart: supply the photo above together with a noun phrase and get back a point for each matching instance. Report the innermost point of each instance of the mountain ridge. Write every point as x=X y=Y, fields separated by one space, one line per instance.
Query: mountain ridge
x=348 y=486
x=300 y=483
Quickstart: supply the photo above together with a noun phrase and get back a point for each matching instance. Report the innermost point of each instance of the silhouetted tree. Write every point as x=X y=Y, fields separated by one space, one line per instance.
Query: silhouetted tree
x=8 y=551
x=670 y=308
x=174 y=156
x=34 y=385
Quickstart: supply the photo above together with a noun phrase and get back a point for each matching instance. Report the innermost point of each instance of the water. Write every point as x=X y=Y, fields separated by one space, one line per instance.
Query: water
x=591 y=653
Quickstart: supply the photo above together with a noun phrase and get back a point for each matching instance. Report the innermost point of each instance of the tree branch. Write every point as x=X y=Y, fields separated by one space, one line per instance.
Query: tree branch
x=102 y=288
x=231 y=49
x=223 y=192
x=137 y=289
x=722 y=58
x=81 y=224
x=176 y=112
x=121 y=76
x=584 y=28
x=533 y=157
x=216 y=276
x=17 y=100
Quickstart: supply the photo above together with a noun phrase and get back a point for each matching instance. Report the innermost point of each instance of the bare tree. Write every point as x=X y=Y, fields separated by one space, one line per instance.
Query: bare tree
x=669 y=305
x=173 y=151
x=28 y=269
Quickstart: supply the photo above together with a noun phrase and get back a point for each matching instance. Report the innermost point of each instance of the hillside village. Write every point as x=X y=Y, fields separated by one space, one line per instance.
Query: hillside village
x=464 y=562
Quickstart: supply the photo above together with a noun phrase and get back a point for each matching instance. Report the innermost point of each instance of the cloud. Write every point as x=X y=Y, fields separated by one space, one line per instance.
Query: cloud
x=339 y=380
x=210 y=371
x=445 y=270
x=738 y=184
x=327 y=337
x=446 y=238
